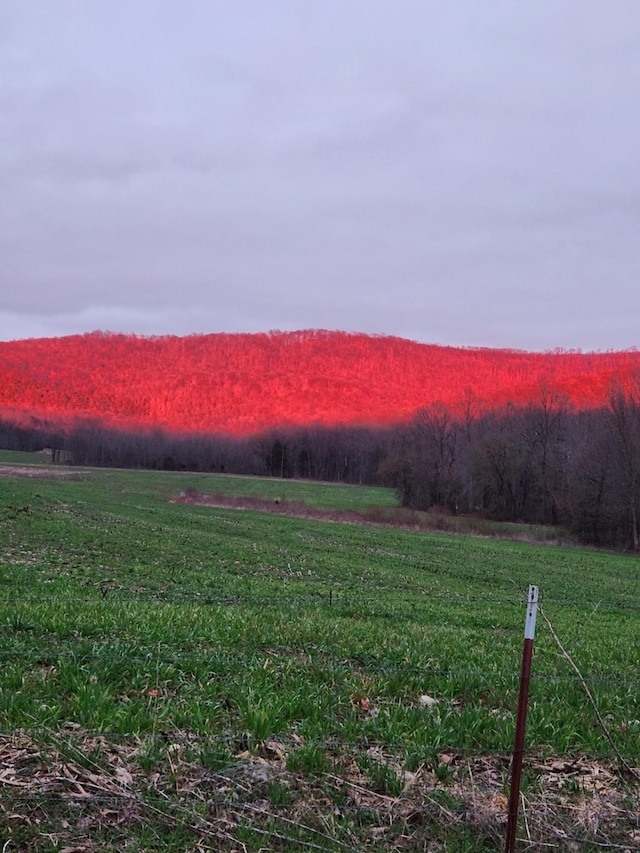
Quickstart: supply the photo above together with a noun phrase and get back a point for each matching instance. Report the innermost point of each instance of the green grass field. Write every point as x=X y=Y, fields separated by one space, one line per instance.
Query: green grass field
x=181 y=677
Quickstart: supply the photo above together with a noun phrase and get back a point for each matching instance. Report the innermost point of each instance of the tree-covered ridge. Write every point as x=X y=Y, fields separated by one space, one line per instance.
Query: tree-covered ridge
x=240 y=384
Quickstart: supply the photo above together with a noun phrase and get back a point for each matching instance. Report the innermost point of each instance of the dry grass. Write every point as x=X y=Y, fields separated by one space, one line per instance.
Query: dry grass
x=75 y=789
x=398 y=517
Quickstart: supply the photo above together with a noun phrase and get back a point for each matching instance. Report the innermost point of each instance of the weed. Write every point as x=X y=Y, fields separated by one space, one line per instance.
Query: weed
x=311 y=759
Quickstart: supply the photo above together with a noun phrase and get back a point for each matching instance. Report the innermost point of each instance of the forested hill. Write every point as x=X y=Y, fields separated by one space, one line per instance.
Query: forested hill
x=245 y=383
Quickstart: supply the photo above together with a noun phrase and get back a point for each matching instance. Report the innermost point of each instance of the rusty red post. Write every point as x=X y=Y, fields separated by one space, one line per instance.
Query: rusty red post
x=521 y=722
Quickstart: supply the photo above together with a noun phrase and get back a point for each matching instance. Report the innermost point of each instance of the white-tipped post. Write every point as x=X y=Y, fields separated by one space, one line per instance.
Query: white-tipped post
x=521 y=722
x=532 y=612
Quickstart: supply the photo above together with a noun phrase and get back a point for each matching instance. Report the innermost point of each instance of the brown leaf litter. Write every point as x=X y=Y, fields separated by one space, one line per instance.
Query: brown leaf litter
x=75 y=788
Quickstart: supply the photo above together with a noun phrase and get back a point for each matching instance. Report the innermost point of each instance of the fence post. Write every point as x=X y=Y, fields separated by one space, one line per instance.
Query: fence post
x=521 y=722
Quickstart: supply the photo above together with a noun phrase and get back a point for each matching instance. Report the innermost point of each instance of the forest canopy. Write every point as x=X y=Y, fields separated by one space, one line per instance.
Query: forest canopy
x=548 y=438
x=243 y=384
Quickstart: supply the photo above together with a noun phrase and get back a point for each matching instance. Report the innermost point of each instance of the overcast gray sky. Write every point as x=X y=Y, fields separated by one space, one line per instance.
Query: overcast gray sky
x=452 y=172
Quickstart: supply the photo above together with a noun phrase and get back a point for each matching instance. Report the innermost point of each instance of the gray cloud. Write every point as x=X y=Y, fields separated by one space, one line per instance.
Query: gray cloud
x=459 y=174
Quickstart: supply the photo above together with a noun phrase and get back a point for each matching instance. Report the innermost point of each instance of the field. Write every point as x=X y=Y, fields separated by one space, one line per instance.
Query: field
x=187 y=678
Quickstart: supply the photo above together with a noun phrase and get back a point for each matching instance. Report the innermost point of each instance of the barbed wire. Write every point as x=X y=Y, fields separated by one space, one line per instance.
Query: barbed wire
x=243 y=800
x=603 y=727
x=330 y=596
x=268 y=658
x=337 y=747
x=282 y=822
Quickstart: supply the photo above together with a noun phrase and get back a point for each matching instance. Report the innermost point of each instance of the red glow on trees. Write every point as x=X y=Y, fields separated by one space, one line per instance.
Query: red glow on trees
x=240 y=384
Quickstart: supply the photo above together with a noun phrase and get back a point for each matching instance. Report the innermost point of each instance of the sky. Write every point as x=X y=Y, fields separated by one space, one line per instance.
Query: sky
x=458 y=173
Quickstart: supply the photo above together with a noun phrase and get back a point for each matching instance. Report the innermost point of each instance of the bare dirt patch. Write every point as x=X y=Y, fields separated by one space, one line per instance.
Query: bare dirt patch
x=402 y=518
x=37 y=473
x=288 y=508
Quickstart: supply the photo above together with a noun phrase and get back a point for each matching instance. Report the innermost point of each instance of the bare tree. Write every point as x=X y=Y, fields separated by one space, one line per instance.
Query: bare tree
x=544 y=436
x=436 y=442
x=624 y=413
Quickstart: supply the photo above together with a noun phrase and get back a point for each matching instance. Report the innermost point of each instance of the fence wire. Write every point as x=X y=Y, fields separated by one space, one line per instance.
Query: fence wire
x=222 y=807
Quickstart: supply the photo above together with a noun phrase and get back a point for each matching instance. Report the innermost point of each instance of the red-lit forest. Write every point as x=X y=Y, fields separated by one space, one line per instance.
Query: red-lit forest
x=246 y=383
x=548 y=438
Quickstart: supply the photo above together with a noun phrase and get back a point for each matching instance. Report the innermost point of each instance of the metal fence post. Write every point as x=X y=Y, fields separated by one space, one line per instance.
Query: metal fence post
x=521 y=723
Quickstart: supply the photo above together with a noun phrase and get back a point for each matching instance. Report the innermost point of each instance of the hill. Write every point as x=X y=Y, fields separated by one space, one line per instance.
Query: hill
x=240 y=384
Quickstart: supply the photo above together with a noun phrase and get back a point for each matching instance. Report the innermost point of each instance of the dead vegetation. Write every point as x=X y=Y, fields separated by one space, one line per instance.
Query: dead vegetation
x=295 y=509
x=37 y=473
x=435 y=520
x=77 y=791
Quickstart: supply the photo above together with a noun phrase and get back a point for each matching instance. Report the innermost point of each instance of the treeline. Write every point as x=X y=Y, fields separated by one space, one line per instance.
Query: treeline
x=544 y=463
x=339 y=454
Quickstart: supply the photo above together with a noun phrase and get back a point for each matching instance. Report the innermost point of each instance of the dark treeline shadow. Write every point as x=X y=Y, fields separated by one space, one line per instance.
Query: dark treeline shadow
x=541 y=464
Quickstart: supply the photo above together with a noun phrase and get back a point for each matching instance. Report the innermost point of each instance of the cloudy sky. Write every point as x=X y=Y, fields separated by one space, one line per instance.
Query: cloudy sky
x=455 y=172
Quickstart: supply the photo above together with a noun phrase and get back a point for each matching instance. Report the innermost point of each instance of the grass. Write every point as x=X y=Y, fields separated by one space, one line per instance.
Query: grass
x=336 y=496
x=18 y=457
x=247 y=673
